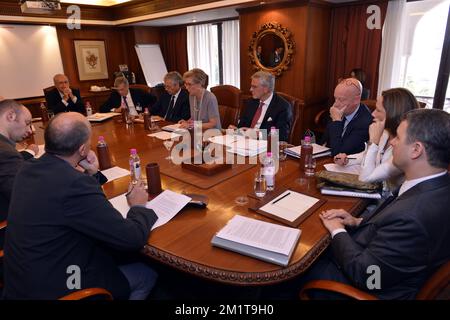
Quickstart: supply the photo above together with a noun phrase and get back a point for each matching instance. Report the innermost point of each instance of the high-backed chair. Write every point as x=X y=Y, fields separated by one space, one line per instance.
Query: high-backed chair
x=229 y=100
x=77 y=295
x=434 y=288
x=295 y=105
x=142 y=87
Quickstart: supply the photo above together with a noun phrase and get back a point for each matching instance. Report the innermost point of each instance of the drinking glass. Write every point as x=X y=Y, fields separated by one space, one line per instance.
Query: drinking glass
x=260 y=185
x=310 y=165
x=168 y=144
x=282 y=145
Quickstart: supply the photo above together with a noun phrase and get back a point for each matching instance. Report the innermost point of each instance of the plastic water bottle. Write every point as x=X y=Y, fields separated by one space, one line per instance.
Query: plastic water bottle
x=269 y=171
x=305 y=149
x=104 y=159
x=88 y=109
x=135 y=166
x=273 y=141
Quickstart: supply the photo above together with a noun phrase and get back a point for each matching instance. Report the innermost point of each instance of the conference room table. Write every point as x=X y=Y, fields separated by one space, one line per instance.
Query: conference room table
x=184 y=243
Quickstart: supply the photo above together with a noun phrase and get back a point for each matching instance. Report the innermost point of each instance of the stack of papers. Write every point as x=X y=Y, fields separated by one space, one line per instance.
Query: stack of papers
x=166 y=205
x=241 y=145
x=164 y=135
x=98 y=117
x=350 y=193
x=172 y=127
x=115 y=173
x=318 y=151
x=262 y=240
x=353 y=169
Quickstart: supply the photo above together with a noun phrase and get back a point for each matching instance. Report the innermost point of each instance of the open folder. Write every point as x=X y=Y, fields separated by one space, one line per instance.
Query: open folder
x=289 y=207
x=262 y=240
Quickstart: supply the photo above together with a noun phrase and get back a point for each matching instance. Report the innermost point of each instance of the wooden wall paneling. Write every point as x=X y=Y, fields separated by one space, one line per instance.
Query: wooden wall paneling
x=114 y=52
x=293 y=18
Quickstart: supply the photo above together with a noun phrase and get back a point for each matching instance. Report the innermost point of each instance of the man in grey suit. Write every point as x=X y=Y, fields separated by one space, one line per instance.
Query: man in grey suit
x=393 y=251
x=15 y=126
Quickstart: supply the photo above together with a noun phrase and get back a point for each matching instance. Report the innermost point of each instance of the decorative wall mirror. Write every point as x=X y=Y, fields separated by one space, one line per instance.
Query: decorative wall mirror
x=271 y=48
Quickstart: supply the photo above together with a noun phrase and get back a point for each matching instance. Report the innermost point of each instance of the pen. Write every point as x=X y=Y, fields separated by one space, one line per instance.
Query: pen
x=281 y=198
x=339 y=158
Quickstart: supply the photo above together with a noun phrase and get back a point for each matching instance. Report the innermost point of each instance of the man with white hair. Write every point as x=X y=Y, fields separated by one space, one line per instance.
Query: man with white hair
x=266 y=109
x=348 y=129
x=63 y=98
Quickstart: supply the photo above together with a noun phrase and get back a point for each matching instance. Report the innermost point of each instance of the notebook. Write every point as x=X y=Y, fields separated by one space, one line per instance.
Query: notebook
x=350 y=193
x=318 y=151
x=99 y=117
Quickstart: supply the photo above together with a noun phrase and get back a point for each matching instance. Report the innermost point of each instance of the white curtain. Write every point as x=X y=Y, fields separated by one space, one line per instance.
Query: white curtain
x=230 y=47
x=203 y=50
x=393 y=39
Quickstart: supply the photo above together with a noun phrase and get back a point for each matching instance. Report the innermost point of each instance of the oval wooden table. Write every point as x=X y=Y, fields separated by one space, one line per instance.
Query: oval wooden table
x=185 y=242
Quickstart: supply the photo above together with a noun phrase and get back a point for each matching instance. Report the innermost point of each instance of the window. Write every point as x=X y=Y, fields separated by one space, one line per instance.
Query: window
x=214 y=48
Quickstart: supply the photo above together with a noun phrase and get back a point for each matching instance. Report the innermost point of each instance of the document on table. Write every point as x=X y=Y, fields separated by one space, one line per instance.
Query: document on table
x=164 y=135
x=115 y=173
x=166 y=205
x=289 y=205
x=259 y=234
x=172 y=127
x=352 y=169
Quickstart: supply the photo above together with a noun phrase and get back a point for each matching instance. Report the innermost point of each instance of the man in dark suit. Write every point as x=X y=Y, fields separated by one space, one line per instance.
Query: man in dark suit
x=348 y=129
x=15 y=126
x=61 y=240
x=266 y=109
x=124 y=97
x=391 y=252
x=63 y=98
x=173 y=105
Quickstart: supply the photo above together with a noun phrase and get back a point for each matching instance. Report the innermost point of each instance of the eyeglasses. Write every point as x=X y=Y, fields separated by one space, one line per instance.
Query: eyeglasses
x=349 y=82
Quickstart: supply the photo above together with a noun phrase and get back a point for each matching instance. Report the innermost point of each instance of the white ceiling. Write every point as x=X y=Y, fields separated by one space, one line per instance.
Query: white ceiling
x=201 y=16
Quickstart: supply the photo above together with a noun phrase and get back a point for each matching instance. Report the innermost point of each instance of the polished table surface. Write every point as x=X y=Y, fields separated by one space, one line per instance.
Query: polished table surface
x=185 y=242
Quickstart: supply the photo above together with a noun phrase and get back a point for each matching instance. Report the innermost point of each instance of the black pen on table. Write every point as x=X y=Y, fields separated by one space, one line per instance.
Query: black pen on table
x=281 y=198
x=349 y=158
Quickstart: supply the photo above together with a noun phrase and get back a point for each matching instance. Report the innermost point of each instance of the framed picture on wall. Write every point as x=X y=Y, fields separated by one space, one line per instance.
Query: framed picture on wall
x=91 y=59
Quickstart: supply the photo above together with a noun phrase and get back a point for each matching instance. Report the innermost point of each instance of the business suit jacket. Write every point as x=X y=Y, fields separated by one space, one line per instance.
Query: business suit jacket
x=138 y=96
x=55 y=104
x=181 y=109
x=408 y=239
x=279 y=110
x=66 y=221
x=10 y=162
x=356 y=134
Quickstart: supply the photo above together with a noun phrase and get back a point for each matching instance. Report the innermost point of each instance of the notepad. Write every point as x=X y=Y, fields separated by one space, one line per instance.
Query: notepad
x=290 y=206
x=172 y=127
x=318 y=151
x=259 y=239
x=166 y=205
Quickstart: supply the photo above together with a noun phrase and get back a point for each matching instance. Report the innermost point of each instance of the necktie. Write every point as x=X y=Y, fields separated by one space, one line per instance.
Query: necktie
x=169 y=109
x=257 y=115
x=126 y=103
x=346 y=122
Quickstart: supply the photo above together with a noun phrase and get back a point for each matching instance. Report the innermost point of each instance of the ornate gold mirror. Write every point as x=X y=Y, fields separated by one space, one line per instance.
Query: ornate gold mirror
x=271 y=48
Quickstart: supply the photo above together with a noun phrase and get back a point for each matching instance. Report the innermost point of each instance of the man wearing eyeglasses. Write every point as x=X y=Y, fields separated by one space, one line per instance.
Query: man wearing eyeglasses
x=348 y=129
x=173 y=105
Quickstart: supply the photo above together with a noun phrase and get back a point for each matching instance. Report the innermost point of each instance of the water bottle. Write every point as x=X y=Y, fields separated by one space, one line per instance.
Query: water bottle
x=269 y=171
x=273 y=141
x=88 y=109
x=44 y=113
x=306 y=149
x=104 y=159
x=135 y=166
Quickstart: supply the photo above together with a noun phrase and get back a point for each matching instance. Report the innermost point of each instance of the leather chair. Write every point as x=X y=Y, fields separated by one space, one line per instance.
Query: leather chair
x=295 y=105
x=229 y=100
x=436 y=287
x=77 y=295
x=142 y=87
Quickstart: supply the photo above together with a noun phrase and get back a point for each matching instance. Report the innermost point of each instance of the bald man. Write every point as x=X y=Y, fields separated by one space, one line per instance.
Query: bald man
x=63 y=98
x=348 y=129
x=61 y=239
x=15 y=126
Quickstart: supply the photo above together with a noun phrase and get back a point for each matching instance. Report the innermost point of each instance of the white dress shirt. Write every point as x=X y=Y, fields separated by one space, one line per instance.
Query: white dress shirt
x=130 y=103
x=264 y=110
x=74 y=99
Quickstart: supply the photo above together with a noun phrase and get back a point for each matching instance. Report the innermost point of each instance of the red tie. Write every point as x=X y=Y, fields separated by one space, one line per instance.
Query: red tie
x=257 y=115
